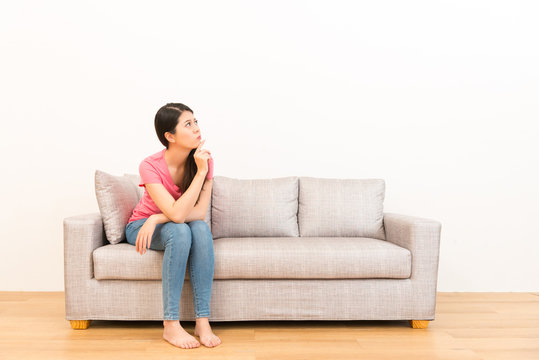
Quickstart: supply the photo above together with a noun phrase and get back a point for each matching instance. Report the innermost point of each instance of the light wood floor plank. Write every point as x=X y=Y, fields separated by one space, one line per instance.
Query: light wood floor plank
x=467 y=326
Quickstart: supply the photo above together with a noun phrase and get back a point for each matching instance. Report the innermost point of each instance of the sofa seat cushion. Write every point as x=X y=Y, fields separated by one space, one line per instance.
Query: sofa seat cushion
x=270 y=258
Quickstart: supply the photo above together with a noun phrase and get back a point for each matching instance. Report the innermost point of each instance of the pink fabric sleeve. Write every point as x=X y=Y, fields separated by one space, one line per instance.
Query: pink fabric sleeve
x=148 y=174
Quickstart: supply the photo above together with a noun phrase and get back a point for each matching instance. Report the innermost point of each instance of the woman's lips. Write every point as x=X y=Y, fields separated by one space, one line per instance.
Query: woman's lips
x=199 y=137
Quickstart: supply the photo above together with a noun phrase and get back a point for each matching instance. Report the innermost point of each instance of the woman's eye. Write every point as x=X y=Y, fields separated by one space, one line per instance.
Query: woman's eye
x=189 y=123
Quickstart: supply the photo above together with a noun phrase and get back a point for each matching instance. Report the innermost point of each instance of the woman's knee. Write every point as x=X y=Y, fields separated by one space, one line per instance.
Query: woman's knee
x=177 y=233
x=201 y=233
x=196 y=225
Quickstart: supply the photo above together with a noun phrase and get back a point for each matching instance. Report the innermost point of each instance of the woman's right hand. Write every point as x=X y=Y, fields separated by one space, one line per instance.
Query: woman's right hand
x=144 y=236
x=201 y=158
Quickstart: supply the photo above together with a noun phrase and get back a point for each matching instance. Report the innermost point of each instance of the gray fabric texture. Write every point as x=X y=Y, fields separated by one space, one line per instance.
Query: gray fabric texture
x=341 y=207
x=116 y=196
x=270 y=268
x=254 y=207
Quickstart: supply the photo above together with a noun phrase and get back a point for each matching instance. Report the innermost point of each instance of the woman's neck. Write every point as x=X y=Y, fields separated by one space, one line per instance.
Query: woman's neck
x=176 y=157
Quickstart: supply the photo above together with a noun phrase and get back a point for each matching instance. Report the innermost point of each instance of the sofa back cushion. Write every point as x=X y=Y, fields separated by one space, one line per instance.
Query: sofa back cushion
x=341 y=207
x=135 y=179
x=254 y=207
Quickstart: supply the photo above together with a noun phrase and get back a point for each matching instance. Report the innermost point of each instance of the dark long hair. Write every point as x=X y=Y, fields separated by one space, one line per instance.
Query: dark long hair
x=166 y=119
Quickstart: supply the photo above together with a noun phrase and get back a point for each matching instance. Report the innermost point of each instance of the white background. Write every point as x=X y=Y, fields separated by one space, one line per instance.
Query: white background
x=438 y=98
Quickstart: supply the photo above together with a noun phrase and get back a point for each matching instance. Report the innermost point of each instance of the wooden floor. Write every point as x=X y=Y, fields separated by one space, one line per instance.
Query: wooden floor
x=466 y=326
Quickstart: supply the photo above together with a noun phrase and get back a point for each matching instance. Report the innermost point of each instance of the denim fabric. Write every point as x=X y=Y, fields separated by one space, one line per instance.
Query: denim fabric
x=186 y=244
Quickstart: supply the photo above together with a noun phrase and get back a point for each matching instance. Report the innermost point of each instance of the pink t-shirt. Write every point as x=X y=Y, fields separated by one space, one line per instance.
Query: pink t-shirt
x=153 y=170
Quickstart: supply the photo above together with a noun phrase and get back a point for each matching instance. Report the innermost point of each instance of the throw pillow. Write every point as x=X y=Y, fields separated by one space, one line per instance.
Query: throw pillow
x=117 y=196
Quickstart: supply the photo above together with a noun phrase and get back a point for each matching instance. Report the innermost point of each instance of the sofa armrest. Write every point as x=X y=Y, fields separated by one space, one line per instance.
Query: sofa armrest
x=422 y=237
x=82 y=235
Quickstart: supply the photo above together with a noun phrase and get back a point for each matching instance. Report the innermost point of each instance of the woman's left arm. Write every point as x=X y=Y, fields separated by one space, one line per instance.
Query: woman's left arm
x=159 y=218
x=201 y=208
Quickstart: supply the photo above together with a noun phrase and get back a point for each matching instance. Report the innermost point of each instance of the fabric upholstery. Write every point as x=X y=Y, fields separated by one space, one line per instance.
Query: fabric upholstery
x=264 y=269
x=135 y=179
x=254 y=207
x=341 y=207
x=270 y=258
x=116 y=198
x=256 y=299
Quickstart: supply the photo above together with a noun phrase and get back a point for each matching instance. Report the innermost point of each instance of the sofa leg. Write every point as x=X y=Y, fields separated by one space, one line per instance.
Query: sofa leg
x=80 y=324
x=419 y=324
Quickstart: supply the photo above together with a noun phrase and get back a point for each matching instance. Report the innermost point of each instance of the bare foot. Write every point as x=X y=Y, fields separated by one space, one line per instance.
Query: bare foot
x=203 y=330
x=175 y=334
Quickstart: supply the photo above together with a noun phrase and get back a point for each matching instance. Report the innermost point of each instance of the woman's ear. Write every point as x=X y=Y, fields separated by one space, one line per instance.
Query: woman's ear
x=169 y=137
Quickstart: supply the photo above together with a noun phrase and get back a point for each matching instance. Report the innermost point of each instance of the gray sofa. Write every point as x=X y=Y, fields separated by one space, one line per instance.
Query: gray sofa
x=292 y=248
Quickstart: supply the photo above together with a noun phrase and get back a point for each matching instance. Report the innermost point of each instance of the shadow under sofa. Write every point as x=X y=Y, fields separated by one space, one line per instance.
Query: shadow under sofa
x=293 y=248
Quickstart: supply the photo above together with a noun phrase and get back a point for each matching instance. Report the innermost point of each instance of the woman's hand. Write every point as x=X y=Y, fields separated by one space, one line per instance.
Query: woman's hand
x=201 y=157
x=209 y=176
x=144 y=236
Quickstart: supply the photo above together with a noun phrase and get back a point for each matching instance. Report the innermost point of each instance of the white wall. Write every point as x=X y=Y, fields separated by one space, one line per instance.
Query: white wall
x=439 y=98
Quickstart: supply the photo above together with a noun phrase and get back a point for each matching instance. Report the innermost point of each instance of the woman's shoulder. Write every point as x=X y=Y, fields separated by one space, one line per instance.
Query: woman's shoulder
x=154 y=158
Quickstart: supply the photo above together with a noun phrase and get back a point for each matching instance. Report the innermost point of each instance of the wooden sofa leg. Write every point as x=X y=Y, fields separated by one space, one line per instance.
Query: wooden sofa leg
x=80 y=324
x=419 y=324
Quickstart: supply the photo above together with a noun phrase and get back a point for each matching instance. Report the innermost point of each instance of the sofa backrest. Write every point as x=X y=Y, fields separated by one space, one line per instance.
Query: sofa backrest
x=254 y=207
x=294 y=206
x=297 y=206
x=135 y=178
x=341 y=207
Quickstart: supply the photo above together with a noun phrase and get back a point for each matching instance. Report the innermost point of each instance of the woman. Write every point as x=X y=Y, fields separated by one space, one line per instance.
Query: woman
x=170 y=216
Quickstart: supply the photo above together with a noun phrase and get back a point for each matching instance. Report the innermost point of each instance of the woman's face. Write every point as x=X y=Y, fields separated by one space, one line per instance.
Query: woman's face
x=187 y=131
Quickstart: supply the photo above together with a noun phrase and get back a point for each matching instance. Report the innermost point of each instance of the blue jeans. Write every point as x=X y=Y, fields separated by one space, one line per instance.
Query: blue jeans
x=184 y=244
